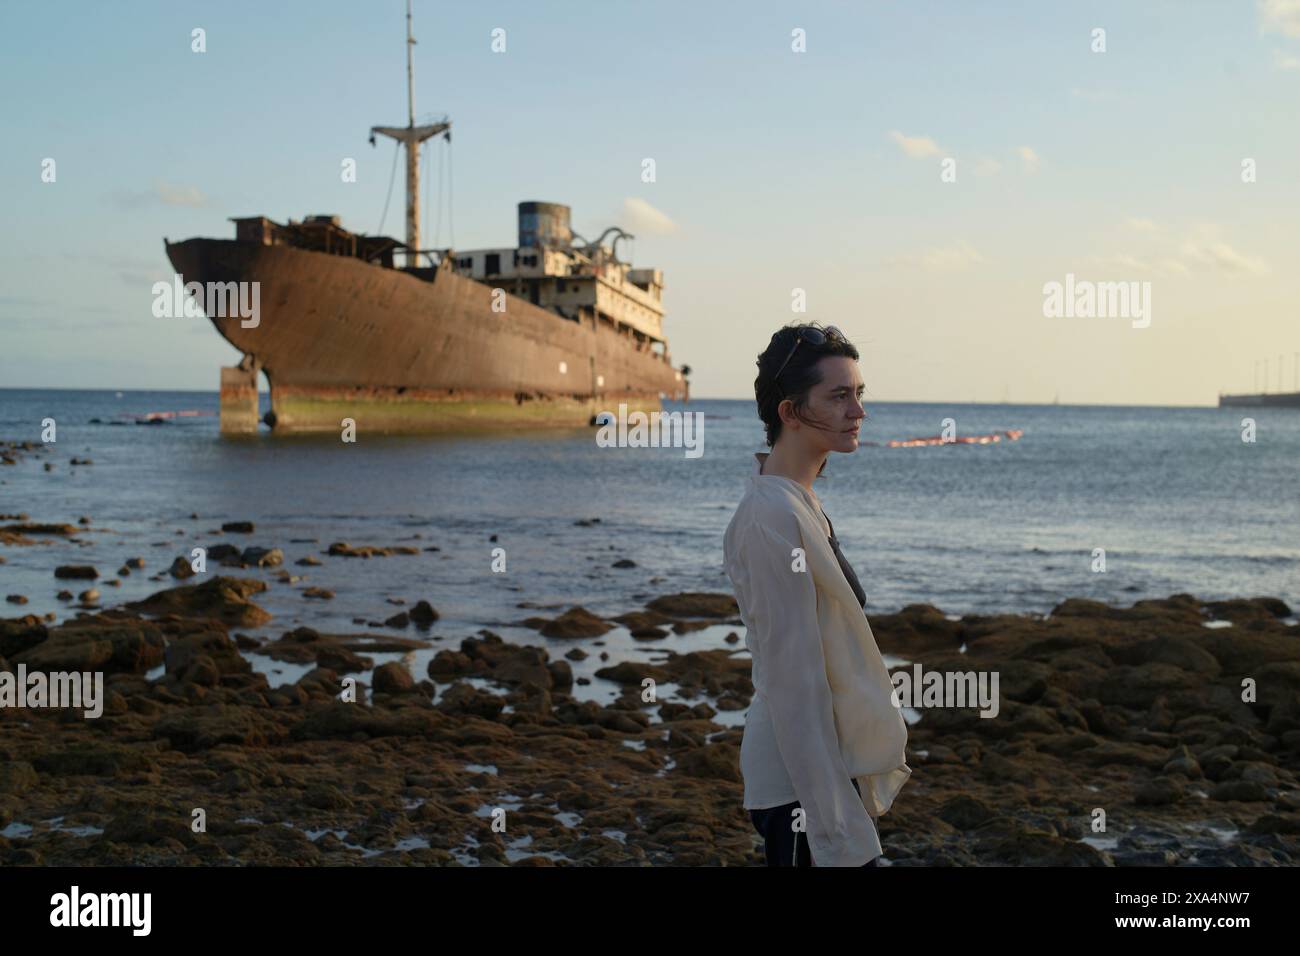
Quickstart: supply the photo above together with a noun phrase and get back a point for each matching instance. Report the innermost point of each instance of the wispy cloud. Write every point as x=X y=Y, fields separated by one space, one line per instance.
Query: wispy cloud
x=1177 y=251
x=1029 y=158
x=644 y=219
x=987 y=167
x=1205 y=247
x=918 y=147
x=169 y=194
x=1279 y=16
x=1283 y=62
x=1127 y=264
x=954 y=258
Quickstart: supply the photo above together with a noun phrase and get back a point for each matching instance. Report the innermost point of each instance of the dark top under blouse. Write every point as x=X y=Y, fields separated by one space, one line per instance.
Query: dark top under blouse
x=845 y=566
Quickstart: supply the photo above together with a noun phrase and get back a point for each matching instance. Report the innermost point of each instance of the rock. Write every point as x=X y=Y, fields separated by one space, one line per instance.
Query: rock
x=461 y=698
x=392 y=678
x=103 y=759
x=326 y=796
x=573 y=623
x=20 y=633
x=695 y=604
x=341 y=660
x=624 y=563
x=1243 y=790
x=89 y=597
x=181 y=568
x=76 y=571
x=1159 y=792
x=343 y=549
x=1245 y=610
x=68 y=652
x=713 y=761
x=1182 y=761
x=966 y=812
x=16 y=598
x=17 y=777
x=65 y=595
x=341 y=720
x=323 y=594
x=446 y=664
x=148 y=829
x=135 y=563
x=527 y=665
x=401 y=619
x=263 y=557
x=206 y=726
x=226 y=554
x=204 y=658
x=28 y=527
x=423 y=614
x=100 y=642
x=238 y=527
x=634 y=672
x=223 y=598
x=310 y=561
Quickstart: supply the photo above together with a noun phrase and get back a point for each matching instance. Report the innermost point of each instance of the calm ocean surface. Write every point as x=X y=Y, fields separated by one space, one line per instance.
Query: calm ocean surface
x=1175 y=497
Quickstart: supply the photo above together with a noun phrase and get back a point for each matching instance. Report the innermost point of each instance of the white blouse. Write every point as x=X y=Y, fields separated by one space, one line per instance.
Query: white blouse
x=823 y=713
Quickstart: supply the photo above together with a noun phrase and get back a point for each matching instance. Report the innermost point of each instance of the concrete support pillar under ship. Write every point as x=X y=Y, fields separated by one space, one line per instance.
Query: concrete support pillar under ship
x=239 y=398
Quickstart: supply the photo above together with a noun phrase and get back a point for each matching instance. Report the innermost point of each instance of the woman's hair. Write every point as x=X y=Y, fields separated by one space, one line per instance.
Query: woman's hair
x=797 y=378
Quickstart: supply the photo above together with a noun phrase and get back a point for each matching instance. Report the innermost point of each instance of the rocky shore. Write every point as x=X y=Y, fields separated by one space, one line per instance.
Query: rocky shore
x=488 y=758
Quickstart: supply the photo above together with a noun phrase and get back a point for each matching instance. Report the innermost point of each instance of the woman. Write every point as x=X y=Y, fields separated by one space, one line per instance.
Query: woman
x=823 y=751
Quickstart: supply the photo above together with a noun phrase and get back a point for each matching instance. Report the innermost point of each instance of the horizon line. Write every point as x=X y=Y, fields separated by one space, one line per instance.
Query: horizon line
x=700 y=398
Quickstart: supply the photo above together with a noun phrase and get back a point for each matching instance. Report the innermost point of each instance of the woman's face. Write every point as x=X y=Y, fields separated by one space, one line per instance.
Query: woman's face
x=836 y=405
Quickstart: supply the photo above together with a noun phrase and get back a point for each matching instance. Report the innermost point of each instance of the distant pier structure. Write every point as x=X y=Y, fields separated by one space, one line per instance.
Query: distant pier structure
x=1262 y=397
x=1269 y=399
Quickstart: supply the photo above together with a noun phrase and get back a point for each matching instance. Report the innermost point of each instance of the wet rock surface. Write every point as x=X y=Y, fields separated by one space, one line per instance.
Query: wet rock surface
x=1134 y=712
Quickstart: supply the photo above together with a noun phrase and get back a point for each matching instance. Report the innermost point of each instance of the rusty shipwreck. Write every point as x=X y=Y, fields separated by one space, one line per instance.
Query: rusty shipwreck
x=550 y=331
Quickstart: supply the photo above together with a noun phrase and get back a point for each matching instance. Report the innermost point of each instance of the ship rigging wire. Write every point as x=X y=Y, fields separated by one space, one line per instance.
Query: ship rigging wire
x=392 y=173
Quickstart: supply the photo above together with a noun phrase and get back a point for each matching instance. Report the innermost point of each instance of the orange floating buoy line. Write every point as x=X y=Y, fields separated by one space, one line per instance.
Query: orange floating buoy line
x=1012 y=434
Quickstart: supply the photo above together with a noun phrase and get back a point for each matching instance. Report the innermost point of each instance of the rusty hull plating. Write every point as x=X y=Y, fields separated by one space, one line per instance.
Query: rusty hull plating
x=344 y=334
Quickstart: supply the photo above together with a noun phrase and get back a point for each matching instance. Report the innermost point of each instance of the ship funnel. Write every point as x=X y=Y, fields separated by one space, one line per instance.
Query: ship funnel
x=544 y=224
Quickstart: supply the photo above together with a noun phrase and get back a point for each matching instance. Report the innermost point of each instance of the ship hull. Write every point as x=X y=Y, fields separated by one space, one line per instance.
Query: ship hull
x=339 y=338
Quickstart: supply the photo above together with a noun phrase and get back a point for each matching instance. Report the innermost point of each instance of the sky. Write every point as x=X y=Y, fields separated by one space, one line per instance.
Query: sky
x=920 y=171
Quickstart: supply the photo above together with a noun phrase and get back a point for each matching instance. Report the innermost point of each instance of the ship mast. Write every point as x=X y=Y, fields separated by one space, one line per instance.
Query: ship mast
x=412 y=136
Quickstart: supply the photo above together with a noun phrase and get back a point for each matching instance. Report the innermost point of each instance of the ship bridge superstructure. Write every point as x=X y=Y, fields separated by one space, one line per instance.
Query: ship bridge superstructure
x=557 y=270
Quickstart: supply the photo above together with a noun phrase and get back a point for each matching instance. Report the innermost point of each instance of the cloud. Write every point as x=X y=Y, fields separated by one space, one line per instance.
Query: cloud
x=1201 y=249
x=1123 y=263
x=1205 y=248
x=1279 y=16
x=917 y=147
x=953 y=258
x=987 y=167
x=1030 y=159
x=1284 y=62
x=168 y=194
x=179 y=195
x=642 y=218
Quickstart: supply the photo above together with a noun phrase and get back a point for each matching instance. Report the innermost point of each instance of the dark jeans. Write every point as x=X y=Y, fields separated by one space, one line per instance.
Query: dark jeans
x=782 y=845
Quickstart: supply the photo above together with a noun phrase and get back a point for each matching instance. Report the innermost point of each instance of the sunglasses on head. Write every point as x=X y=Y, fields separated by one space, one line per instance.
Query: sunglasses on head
x=813 y=336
